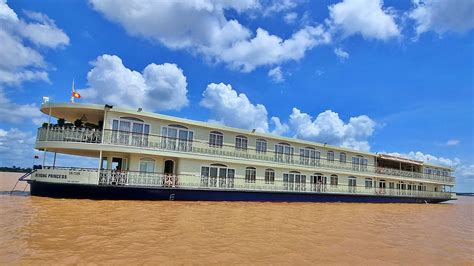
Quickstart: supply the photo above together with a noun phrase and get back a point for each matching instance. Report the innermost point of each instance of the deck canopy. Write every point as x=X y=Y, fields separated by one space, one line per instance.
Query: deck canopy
x=88 y=113
x=395 y=162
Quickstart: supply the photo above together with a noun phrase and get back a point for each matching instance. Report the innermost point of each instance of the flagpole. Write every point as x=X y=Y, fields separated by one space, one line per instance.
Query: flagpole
x=72 y=97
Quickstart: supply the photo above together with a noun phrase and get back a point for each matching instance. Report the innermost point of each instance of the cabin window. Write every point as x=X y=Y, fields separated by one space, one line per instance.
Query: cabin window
x=241 y=143
x=175 y=137
x=283 y=152
x=130 y=132
x=308 y=156
x=269 y=176
x=216 y=139
x=342 y=157
x=368 y=183
x=334 y=180
x=391 y=185
x=147 y=165
x=359 y=163
x=217 y=176
x=330 y=156
x=261 y=146
x=294 y=181
x=250 y=175
x=352 y=181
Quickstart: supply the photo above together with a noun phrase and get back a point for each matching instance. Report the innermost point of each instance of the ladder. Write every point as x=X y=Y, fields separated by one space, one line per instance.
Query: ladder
x=23 y=178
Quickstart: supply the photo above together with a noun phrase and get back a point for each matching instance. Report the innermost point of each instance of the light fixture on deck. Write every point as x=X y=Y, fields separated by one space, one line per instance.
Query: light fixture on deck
x=109 y=106
x=253 y=130
x=84 y=118
x=139 y=109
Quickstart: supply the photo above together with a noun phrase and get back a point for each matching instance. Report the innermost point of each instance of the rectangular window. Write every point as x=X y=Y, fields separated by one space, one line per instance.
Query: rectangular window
x=330 y=156
x=342 y=157
x=216 y=140
x=250 y=175
x=334 y=180
x=391 y=185
x=308 y=156
x=283 y=153
x=269 y=177
x=241 y=143
x=261 y=146
x=368 y=183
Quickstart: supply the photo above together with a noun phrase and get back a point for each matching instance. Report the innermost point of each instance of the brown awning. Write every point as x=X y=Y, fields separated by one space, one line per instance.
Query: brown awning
x=399 y=159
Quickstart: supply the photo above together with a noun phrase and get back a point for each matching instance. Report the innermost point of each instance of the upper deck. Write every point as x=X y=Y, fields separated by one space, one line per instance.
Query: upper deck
x=137 y=131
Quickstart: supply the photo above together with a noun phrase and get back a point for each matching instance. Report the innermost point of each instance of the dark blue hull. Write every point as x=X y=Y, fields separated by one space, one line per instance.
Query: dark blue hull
x=57 y=190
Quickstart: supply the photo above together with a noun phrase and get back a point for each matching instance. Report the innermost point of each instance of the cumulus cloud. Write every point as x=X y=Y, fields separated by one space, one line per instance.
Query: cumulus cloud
x=442 y=16
x=11 y=112
x=327 y=127
x=365 y=17
x=277 y=6
x=157 y=87
x=420 y=156
x=290 y=17
x=343 y=55
x=22 y=42
x=16 y=146
x=276 y=74
x=204 y=28
x=279 y=127
x=232 y=109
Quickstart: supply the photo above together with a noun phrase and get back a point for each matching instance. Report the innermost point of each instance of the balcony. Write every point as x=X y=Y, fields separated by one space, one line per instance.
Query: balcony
x=158 y=180
x=154 y=142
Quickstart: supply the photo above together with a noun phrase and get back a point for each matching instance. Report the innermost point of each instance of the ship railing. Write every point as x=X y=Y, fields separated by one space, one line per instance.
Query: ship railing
x=156 y=142
x=143 y=179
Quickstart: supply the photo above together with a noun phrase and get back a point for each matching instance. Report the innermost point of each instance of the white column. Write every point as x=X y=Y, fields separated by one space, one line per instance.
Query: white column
x=47 y=131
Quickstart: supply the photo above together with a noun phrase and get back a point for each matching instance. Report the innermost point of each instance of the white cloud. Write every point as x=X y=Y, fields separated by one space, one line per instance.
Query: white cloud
x=452 y=142
x=327 y=127
x=276 y=74
x=22 y=44
x=365 y=17
x=158 y=87
x=17 y=113
x=291 y=17
x=442 y=16
x=232 y=109
x=279 y=127
x=343 y=55
x=203 y=28
x=16 y=147
x=277 y=6
x=420 y=156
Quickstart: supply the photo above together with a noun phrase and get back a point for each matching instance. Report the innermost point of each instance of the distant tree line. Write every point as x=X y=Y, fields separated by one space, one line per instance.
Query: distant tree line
x=14 y=169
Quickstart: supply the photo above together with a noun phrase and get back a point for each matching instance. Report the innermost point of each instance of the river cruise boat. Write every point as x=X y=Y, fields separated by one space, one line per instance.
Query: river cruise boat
x=148 y=156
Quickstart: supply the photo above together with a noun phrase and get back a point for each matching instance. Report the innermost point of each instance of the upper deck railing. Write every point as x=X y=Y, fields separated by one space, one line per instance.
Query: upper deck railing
x=125 y=138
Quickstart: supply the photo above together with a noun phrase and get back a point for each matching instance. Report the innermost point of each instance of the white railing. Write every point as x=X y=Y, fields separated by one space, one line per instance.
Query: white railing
x=114 y=137
x=142 y=179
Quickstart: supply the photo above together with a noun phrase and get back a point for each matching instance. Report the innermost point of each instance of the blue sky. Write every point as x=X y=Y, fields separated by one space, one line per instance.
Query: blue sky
x=391 y=76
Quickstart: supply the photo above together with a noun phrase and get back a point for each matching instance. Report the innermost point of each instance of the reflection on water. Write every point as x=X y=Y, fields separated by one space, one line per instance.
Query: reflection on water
x=42 y=230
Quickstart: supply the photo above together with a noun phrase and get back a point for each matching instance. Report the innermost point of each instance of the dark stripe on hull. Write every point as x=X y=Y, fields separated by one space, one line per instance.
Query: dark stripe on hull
x=78 y=191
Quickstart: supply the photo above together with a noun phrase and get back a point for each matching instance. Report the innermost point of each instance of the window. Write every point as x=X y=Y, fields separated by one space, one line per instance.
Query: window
x=147 y=165
x=217 y=175
x=283 y=152
x=176 y=137
x=308 y=156
x=241 y=143
x=352 y=183
x=342 y=157
x=261 y=146
x=294 y=181
x=216 y=139
x=330 y=156
x=250 y=175
x=318 y=182
x=359 y=163
x=391 y=185
x=334 y=180
x=368 y=183
x=269 y=176
x=131 y=131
